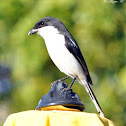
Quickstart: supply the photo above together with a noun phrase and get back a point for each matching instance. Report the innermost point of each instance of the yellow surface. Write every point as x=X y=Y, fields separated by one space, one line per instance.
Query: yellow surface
x=49 y=117
x=58 y=107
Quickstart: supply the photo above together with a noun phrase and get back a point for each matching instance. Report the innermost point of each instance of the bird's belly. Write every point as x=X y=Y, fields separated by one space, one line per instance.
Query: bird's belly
x=64 y=60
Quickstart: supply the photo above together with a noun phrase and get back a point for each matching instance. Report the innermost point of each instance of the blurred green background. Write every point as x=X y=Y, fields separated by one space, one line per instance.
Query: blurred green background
x=26 y=70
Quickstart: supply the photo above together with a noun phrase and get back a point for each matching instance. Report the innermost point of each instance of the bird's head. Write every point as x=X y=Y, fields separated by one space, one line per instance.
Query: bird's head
x=48 y=26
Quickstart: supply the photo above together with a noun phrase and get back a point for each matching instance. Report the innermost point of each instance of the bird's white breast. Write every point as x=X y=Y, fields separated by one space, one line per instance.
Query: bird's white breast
x=58 y=52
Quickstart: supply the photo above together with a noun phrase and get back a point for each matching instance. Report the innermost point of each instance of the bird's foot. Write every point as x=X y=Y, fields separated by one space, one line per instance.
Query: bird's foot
x=64 y=90
x=69 y=88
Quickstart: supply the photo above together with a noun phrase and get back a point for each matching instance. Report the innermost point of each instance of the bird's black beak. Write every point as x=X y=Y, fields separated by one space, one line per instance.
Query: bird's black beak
x=32 y=31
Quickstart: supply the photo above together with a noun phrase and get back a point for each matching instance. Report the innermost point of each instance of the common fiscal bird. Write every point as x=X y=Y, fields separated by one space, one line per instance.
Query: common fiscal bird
x=65 y=53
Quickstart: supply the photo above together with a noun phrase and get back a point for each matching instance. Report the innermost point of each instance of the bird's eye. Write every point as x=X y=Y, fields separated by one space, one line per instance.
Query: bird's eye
x=41 y=23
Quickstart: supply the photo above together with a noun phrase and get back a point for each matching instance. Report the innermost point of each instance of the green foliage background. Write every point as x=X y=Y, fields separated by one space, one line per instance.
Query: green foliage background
x=100 y=30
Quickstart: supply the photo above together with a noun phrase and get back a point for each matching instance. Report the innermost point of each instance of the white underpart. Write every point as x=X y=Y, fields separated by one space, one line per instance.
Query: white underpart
x=60 y=55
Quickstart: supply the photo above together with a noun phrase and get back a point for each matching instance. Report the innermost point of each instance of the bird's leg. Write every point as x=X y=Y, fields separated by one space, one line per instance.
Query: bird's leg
x=64 y=78
x=72 y=83
x=60 y=79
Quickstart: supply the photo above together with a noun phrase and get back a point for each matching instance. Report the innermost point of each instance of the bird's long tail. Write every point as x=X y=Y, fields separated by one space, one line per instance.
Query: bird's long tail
x=92 y=96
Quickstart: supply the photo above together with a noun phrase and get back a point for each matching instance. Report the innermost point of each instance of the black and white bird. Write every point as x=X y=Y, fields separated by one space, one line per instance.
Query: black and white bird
x=65 y=53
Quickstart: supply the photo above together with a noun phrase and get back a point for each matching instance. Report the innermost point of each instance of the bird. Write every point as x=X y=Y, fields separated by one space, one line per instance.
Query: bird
x=65 y=53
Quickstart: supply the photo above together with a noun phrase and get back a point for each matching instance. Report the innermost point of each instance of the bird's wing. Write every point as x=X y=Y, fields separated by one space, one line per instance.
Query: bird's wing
x=72 y=46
